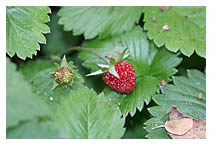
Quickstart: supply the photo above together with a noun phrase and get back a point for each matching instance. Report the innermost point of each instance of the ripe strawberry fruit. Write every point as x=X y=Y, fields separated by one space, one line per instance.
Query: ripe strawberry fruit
x=118 y=75
x=127 y=78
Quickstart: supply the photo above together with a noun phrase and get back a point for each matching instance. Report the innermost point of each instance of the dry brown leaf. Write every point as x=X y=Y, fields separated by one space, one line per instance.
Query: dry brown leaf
x=198 y=130
x=180 y=126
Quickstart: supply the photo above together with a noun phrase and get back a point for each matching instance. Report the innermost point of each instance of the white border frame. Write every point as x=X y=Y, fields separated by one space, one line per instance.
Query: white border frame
x=4 y=3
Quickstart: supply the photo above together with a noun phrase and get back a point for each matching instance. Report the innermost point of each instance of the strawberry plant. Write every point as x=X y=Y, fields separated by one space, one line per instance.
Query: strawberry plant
x=106 y=72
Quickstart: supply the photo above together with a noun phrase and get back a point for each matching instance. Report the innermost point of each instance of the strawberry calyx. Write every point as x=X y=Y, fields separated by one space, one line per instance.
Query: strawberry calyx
x=110 y=67
x=64 y=73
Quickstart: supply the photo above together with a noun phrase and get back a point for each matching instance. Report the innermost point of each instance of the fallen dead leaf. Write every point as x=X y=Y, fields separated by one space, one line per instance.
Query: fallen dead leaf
x=198 y=130
x=177 y=127
x=181 y=126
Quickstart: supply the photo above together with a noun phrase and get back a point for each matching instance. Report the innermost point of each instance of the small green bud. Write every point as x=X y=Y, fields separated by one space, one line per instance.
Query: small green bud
x=65 y=74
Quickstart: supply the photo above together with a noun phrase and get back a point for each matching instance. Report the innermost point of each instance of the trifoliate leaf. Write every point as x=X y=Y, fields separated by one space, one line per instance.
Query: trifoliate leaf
x=22 y=103
x=25 y=29
x=33 y=129
x=86 y=115
x=102 y=21
x=177 y=28
x=184 y=95
x=42 y=82
x=151 y=65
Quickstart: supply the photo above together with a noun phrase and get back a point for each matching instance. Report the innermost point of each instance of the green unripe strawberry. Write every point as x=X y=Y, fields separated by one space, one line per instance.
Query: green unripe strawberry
x=63 y=75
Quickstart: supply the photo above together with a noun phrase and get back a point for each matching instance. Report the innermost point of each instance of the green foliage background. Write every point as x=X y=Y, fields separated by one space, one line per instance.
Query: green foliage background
x=89 y=109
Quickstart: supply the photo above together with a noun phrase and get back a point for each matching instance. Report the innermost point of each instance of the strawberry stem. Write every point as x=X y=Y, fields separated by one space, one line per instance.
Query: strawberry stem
x=158 y=127
x=89 y=50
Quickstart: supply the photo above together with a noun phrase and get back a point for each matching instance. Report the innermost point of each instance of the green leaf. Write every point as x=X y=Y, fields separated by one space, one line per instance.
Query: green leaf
x=106 y=47
x=134 y=125
x=187 y=28
x=188 y=94
x=185 y=95
x=42 y=83
x=22 y=103
x=160 y=116
x=58 y=40
x=91 y=82
x=151 y=65
x=31 y=68
x=159 y=133
x=102 y=21
x=86 y=115
x=33 y=129
x=25 y=29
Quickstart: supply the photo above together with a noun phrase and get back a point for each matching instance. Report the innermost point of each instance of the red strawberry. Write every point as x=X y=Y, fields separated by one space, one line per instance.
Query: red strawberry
x=127 y=78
